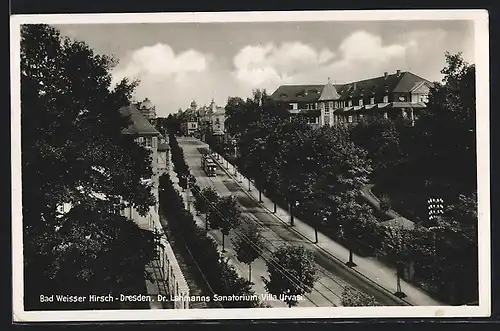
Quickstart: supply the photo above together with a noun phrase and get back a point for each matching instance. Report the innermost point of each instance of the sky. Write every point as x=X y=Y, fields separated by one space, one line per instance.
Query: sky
x=180 y=62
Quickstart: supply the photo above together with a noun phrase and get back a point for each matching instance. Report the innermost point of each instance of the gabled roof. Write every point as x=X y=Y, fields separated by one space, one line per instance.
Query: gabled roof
x=139 y=124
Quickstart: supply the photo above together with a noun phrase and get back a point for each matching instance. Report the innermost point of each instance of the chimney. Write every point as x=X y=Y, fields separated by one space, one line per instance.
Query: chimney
x=398 y=72
x=385 y=75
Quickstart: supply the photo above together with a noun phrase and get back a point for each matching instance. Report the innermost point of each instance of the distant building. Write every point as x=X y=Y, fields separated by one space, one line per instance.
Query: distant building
x=147 y=109
x=397 y=95
x=204 y=120
x=217 y=118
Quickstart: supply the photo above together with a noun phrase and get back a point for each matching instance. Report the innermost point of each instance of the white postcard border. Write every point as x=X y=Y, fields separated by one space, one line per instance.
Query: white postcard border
x=480 y=19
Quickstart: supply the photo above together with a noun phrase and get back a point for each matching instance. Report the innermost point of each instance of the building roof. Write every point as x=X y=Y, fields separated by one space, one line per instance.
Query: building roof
x=162 y=147
x=403 y=81
x=138 y=123
x=304 y=93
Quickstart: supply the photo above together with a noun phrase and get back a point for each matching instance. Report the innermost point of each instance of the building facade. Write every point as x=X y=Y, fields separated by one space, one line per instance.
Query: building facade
x=399 y=95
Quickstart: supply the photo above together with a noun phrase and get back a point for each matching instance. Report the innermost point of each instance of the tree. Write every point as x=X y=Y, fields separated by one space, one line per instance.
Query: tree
x=224 y=216
x=452 y=103
x=292 y=273
x=354 y=298
x=398 y=244
x=247 y=244
x=233 y=284
x=205 y=201
x=73 y=152
x=356 y=220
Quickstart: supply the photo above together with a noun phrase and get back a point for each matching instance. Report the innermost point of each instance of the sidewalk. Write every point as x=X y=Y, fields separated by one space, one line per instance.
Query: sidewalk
x=371 y=268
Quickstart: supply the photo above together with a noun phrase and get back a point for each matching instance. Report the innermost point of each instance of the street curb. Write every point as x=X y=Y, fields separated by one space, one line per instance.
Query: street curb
x=353 y=271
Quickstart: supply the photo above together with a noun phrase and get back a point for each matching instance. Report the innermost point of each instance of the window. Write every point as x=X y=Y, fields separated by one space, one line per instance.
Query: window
x=141 y=140
x=313 y=106
x=293 y=106
x=349 y=103
x=372 y=101
x=155 y=142
x=307 y=106
x=327 y=119
x=402 y=98
x=290 y=106
x=148 y=141
x=386 y=98
x=424 y=98
x=360 y=102
x=350 y=119
x=330 y=104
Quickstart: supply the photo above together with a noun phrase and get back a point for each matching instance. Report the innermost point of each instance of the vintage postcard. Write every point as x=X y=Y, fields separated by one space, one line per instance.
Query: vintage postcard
x=284 y=165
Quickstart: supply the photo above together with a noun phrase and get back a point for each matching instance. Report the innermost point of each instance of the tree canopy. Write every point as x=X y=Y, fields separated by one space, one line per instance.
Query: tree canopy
x=73 y=151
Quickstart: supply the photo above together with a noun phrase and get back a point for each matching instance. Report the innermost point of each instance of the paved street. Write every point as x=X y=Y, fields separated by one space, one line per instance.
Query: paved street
x=334 y=275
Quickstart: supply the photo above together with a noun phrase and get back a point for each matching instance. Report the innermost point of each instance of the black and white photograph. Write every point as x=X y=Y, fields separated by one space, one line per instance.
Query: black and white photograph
x=190 y=166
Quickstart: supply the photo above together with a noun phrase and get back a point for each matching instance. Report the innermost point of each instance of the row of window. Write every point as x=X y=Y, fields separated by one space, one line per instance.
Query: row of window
x=148 y=141
x=349 y=103
x=358 y=117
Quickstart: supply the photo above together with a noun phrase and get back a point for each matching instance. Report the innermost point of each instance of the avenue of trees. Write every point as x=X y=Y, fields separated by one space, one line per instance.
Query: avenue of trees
x=318 y=174
x=291 y=269
x=73 y=152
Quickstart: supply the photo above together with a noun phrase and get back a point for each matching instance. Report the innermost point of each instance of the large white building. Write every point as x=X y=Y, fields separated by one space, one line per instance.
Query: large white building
x=400 y=94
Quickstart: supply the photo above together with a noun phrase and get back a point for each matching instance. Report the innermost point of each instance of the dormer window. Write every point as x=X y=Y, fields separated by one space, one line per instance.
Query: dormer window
x=386 y=99
x=402 y=98
x=349 y=103
x=372 y=101
x=283 y=95
x=360 y=102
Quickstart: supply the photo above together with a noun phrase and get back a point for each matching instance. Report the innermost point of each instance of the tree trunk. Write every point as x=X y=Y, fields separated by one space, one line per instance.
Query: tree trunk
x=223 y=243
x=399 y=293
x=398 y=280
x=260 y=196
x=250 y=272
x=350 y=263
x=315 y=235
x=274 y=207
x=249 y=187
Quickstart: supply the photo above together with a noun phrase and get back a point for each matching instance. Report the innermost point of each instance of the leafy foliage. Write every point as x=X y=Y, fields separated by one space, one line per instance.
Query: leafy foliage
x=292 y=273
x=225 y=216
x=73 y=151
x=222 y=278
x=354 y=298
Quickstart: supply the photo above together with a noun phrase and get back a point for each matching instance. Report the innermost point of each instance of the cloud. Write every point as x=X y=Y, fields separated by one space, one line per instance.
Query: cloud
x=159 y=62
x=359 y=55
x=364 y=46
x=270 y=64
